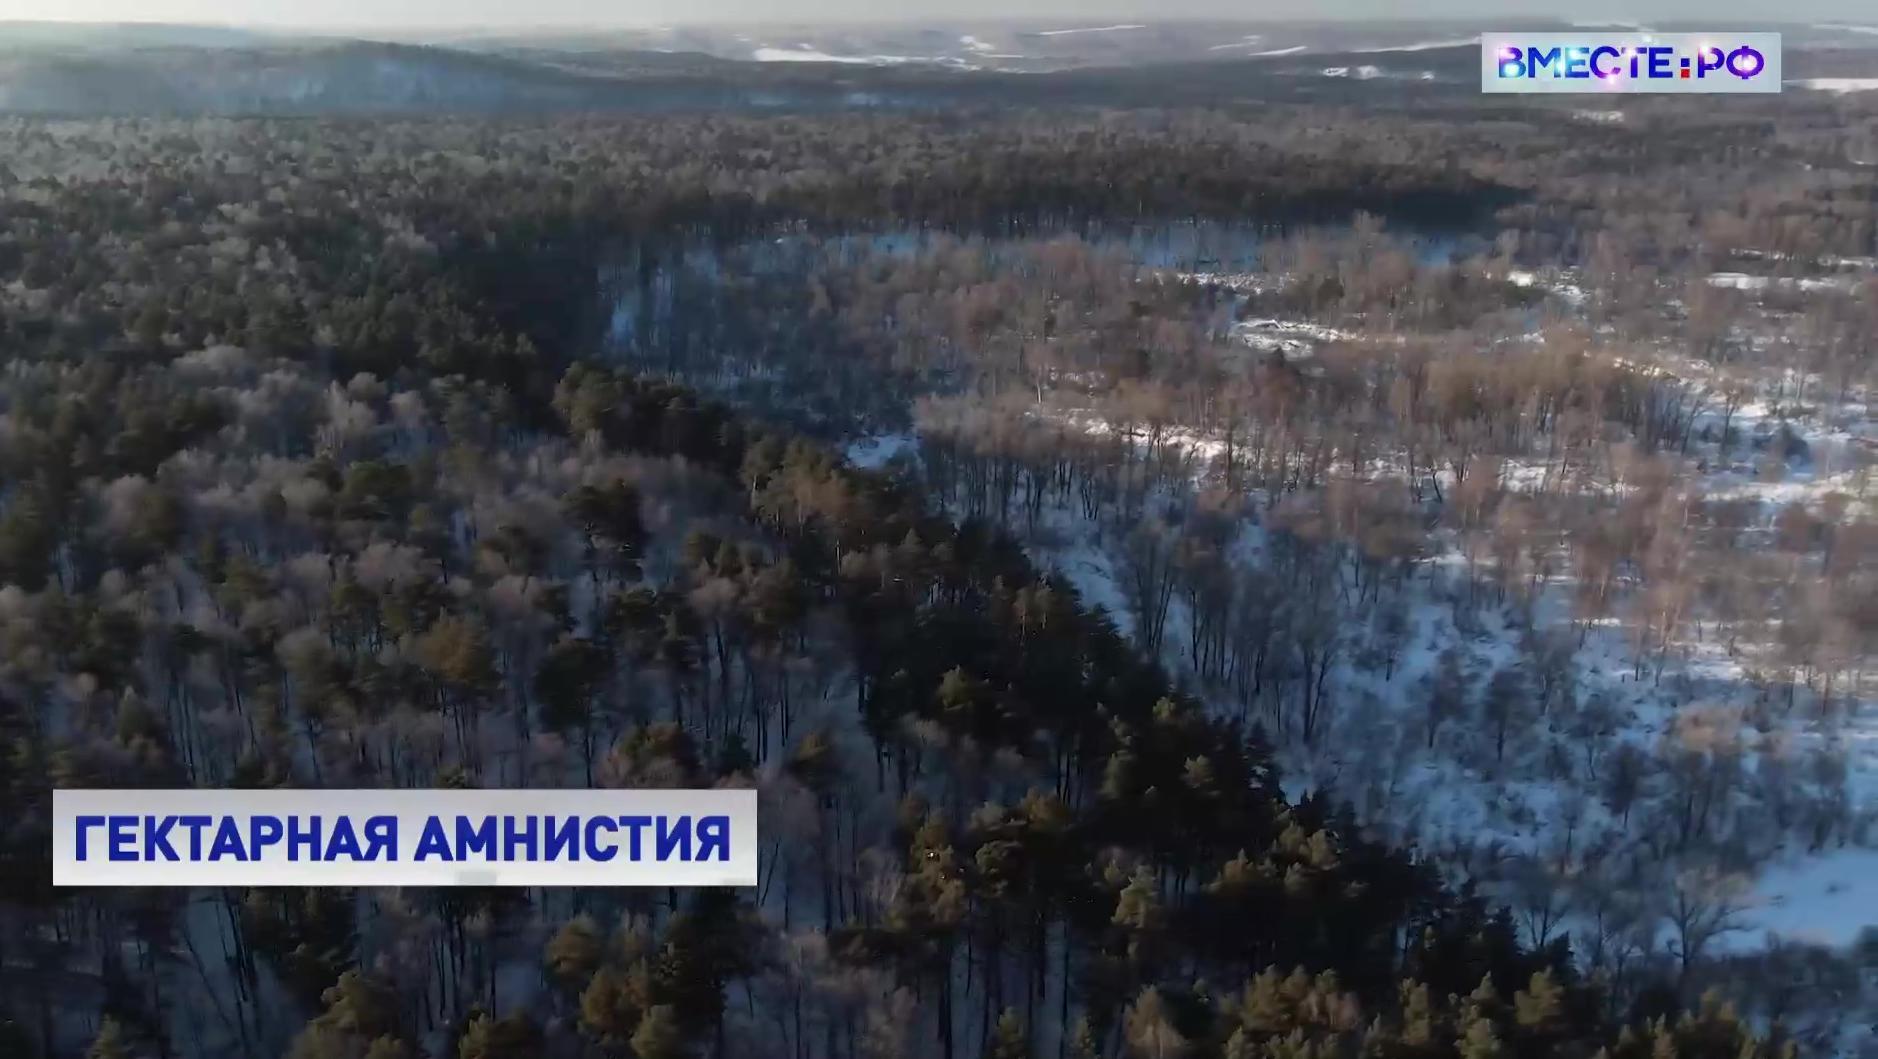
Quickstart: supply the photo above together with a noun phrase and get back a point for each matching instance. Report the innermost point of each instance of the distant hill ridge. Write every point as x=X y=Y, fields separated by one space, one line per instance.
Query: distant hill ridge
x=68 y=68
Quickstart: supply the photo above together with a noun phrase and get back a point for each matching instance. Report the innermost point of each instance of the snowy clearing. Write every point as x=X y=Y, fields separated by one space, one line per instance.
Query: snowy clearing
x=1825 y=899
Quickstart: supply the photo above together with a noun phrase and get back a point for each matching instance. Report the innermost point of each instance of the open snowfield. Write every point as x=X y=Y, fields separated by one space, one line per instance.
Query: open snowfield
x=1829 y=899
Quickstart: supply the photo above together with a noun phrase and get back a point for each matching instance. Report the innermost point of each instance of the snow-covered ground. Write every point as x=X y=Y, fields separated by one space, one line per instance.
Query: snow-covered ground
x=1839 y=85
x=1825 y=260
x=1828 y=899
x=1559 y=285
x=1089 y=29
x=1427 y=45
x=1284 y=335
x=803 y=53
x=1484 y=817
x=1243 y=282
x=876 y=451
x=1545 y=802
x=1742 y=281
x=1245 y=42
x=1479 y=816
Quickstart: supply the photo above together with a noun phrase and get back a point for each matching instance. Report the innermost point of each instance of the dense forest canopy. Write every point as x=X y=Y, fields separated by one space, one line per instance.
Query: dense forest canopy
x=318 y=468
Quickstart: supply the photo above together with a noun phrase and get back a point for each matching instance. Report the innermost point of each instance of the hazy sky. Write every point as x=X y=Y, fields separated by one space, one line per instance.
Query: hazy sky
x=466 y=14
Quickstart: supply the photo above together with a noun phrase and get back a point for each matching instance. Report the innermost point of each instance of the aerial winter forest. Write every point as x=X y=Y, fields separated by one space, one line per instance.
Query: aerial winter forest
x=1303 y=577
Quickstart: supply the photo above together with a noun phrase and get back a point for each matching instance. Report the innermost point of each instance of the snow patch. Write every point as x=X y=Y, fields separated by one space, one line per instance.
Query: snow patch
x=1090 y=29
x=785 y=55
x=1294 y=339
x=1838 y=85
x=1571 y=292
x=1426 y=45
x=875 y=452
x=1743 y=281
x=1243 y=282
x=1823 y=898
x=804 y=54
x=1362 y=73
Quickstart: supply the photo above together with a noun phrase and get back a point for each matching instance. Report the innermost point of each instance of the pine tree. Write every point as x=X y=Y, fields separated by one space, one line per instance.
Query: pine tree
x=608 y=1013
x=388 y=1048
x=1138 y=911
x=1010 y=1040
x=1478 y=1039
x=1138 y=907
x=1418 y=1014
x=1541 y=1005
x=359 y=1008
x=573 y=954
x=109 y=1044
x=658 y=1036
x=1262 y=1007
x=1150 y=1028
x=515 y=1037
x=1082 y=1040
x=1663 y=1043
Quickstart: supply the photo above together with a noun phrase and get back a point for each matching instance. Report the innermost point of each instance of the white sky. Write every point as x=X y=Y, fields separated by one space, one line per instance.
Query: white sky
x=469 y=14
